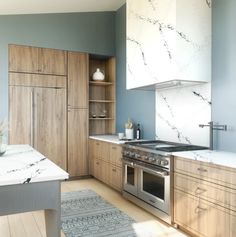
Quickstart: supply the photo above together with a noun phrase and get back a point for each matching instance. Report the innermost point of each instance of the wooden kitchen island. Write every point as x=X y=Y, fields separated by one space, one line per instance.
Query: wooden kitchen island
x=28 y=182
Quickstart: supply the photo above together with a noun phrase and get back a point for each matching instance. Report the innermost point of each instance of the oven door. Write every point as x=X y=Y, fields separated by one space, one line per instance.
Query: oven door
x=130 y=182
x=154 y=187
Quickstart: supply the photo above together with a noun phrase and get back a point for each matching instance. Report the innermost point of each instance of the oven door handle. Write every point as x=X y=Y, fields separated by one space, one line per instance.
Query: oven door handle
x=129 y=163
x=159 y=173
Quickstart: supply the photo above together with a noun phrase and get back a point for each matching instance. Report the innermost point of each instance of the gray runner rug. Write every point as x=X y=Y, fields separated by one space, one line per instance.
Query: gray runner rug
x=86 y=214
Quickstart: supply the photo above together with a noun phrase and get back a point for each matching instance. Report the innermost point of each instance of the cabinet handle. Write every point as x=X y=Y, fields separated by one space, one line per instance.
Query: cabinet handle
x=114 y=170
x=202 y=169
x=97 y=163
x=114 y=148
x=200 y=209
x=97 y=144
x=199 y=191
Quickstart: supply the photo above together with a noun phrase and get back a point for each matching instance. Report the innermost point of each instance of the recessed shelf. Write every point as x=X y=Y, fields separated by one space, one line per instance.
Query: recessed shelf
x=101 y=101
x=100 y=83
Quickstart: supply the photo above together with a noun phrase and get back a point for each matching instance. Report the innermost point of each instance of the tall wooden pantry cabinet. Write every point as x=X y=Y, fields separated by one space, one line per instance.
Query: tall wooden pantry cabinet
x=77 y=113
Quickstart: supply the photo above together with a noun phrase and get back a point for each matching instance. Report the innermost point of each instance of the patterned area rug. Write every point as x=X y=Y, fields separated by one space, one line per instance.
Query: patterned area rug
x=86 y=214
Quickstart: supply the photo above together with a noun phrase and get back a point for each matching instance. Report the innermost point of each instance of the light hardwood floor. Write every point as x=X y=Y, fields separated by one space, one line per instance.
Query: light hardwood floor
x=32 y=224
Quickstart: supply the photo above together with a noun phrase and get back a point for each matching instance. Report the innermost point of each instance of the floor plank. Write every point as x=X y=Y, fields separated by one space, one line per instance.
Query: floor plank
x=16 y=226
x=33 y=224
x=30 y=225
x=4 y=226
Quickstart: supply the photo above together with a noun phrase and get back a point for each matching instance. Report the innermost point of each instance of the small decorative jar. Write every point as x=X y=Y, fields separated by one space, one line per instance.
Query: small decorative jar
x=98 y=75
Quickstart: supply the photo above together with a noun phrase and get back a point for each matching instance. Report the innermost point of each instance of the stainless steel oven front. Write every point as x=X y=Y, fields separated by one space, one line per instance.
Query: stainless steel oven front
x=148 y=183
x=154 y=187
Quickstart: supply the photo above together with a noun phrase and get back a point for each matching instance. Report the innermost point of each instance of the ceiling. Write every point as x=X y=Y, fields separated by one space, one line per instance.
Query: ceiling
x=12 y=7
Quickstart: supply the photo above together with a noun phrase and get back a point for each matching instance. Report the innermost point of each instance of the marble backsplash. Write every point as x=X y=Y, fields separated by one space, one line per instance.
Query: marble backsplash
x=179 y=111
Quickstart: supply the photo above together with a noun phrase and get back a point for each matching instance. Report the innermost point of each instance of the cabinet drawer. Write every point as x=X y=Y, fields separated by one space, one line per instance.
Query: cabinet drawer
x=100 y=150
x=201 y=217
x=201 y=170
x=217 y=194
x=116 y=154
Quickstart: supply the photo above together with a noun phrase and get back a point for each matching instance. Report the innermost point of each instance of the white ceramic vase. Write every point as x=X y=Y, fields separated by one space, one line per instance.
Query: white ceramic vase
x=98 y=75
x=129 y=133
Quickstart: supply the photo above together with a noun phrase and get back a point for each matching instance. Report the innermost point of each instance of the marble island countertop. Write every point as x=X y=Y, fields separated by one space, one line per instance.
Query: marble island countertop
x=223 y=158
x=23 y=164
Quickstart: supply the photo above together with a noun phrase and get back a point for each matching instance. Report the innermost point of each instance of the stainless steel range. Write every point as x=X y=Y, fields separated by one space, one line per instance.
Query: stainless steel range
x=147 y=174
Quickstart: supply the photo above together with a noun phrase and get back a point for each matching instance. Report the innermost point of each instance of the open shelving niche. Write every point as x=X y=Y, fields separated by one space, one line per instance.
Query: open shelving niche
x=102 y=96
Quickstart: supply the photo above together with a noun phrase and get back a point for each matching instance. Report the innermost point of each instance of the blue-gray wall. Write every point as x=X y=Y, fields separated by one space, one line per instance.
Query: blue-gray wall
x=224 y=72
x=134 y=104
x=85 y=32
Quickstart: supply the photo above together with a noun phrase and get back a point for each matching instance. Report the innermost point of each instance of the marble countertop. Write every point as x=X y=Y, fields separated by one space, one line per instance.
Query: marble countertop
x=108 y=138
x=112 y=139
x=23 y=164
x=223 y=158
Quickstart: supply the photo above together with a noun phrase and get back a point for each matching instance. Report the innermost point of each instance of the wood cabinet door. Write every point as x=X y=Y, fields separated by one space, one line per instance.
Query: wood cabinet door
x=20 y=115
x=77 y=80
x=200 y=217
x=52 y=61
x=97 y=168
x=50 y=124
x=91 y=156
x=116 y=155
x=104 y=172
x=23 y=59
x=77 y=142
x=115 y=177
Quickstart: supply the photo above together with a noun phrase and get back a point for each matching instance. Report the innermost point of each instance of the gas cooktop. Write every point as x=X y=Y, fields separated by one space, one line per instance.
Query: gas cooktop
x=165 y=146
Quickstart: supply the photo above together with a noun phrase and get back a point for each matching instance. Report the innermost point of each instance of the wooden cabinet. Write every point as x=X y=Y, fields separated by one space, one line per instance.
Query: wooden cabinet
x=207 y=192
x=115 y=177
x=23 y=59
x=96 y=168
x=115 y=153
x=77 y=105
x=77 y=142
x=52 y=61
x=77 y=80
x=102 y=97
x=29 y=59
x=49 y=122
x=201 y=217
x=104 y=160
x=20 y=115
x=37 y=116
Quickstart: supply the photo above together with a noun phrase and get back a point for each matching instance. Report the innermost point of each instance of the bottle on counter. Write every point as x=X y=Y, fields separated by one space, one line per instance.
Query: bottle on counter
x=138 y=132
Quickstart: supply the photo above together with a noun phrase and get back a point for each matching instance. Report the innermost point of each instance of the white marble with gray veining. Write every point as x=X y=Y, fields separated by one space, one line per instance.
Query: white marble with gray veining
x=107 y=138
x=22 y=164
x=223 y=158
x=179 y=112
x=168 y=40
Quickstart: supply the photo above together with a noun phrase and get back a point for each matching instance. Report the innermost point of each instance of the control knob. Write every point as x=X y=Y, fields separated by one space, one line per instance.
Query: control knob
x=152 y=159
x=164 y=162
x=158 y=161
x=131 y=154
x=144 y=157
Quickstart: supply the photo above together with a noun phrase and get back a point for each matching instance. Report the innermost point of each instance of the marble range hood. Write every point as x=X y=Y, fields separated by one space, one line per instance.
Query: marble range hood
x=168 y=43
